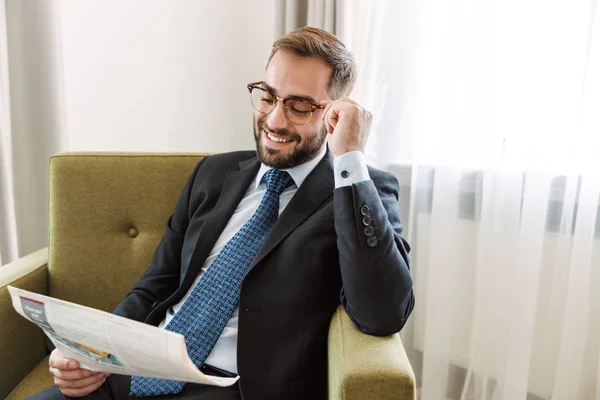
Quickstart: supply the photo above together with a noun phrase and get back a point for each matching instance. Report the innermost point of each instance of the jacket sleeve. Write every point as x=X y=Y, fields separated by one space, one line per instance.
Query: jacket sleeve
x=162 y=277
x=377 y=291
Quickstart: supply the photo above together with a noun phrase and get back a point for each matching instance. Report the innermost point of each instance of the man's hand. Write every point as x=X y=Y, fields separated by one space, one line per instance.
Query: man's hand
x=348 y=125
x=72 y=380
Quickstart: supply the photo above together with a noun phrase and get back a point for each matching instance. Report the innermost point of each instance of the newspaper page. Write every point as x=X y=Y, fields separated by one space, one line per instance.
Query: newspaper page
x=105 y=342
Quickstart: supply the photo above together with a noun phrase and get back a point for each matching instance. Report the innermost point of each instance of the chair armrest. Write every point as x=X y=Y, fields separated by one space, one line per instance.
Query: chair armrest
x=22 y=344
x=366 y=367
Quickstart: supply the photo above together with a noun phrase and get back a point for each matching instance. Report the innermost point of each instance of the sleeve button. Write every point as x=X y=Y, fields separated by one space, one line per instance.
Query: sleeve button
x=369 y=231
x=372 y=241
x=366 y=220
x=364 y=210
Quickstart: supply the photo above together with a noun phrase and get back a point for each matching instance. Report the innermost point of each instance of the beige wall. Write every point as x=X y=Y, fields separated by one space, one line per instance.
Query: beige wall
x=157 y=75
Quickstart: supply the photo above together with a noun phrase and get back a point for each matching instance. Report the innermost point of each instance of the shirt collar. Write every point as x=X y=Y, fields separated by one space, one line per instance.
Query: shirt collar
x=298 y=173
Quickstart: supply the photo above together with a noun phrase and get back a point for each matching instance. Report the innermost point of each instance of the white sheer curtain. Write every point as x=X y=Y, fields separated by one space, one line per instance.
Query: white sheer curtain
x=489 y=111
x=32 y=124
x=8 y=231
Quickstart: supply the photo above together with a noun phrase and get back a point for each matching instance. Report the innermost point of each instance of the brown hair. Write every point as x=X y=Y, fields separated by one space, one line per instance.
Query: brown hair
x=314 y=42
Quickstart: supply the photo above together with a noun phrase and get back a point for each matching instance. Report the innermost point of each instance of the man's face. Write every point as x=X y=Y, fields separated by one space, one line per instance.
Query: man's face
x=280 y=143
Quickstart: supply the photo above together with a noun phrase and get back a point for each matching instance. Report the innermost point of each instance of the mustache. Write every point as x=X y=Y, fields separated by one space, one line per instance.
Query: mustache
x=284 y=133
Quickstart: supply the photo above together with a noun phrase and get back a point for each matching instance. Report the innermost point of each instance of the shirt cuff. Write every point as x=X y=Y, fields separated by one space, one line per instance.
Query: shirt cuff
x=350 y=168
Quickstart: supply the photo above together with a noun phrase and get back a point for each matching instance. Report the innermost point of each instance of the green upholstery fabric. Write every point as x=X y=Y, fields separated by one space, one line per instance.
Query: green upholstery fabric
x=107 y=214
x=367 y=367
x=37 y=380
x=22 y=344
x=96 y=201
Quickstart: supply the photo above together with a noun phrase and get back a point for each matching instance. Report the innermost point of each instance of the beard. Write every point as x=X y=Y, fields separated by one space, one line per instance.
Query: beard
x=305 y=148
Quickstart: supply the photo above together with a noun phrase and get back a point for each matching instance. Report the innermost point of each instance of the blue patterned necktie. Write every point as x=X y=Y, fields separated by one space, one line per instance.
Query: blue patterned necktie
x=204 y=314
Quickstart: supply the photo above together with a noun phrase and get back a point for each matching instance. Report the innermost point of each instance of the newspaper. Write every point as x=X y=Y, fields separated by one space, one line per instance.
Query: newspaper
x=105 y=342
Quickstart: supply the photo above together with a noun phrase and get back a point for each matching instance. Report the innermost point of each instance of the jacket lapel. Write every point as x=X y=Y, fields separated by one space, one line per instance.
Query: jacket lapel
x=316 y=188
x=234 y=187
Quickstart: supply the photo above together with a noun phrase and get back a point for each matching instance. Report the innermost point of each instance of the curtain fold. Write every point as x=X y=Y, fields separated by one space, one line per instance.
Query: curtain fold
x=8 y=223
x=294 y=14
x=33 y=127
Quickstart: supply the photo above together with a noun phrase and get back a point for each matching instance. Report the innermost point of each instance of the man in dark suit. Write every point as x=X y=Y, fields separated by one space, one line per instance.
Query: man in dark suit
x=334 y=237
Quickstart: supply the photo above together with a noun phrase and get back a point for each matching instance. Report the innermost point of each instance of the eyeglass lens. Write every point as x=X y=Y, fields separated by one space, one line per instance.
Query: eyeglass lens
x=297 y=111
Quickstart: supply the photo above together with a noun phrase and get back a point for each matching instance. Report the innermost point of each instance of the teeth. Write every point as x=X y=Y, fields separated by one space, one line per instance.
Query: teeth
x=277 y=139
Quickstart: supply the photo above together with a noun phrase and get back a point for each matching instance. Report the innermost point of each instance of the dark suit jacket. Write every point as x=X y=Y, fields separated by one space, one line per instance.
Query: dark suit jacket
x=316 y=256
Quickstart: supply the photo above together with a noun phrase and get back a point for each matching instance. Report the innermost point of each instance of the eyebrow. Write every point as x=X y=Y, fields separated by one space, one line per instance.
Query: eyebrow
x=293 y=97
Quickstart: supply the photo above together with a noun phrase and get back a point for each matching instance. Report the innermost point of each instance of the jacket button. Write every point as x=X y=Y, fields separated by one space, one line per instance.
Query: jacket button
x=364 y=210
x=369 y=231
x=366 y=220
x=372 y=241
x=132 y=233
x=345 y=174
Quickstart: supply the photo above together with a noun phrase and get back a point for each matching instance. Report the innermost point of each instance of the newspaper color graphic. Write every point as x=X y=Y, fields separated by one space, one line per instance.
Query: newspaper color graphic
x=36 y=312
x=105 y=342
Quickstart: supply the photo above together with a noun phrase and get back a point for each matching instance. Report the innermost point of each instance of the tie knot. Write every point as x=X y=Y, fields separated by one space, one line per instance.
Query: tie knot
x=277 y=181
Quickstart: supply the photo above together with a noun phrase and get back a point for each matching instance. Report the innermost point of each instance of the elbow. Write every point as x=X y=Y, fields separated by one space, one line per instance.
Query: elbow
x=386 y=329
x=387 y=326
x=384 y=323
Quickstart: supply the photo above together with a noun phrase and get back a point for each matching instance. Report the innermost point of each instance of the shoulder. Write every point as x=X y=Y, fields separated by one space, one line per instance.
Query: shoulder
x=223 y=163
x=211 y=171
x=224 y=160
x=216 y=166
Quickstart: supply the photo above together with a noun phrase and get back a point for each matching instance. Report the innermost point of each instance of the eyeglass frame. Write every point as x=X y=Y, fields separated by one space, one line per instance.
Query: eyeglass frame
x=256 y=85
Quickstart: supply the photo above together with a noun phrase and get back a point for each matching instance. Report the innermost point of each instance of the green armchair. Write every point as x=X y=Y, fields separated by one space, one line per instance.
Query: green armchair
x=107 y=213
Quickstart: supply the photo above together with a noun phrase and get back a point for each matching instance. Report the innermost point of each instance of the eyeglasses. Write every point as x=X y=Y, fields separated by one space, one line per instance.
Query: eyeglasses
x=297 y=111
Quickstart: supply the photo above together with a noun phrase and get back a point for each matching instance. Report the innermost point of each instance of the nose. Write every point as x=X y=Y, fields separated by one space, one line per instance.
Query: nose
x=276 y=120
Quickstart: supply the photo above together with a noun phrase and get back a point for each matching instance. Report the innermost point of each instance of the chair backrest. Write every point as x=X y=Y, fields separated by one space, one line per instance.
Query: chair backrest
x=107 y=214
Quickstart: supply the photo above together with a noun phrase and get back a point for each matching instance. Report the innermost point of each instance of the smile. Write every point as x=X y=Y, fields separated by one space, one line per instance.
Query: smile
x=277 y=138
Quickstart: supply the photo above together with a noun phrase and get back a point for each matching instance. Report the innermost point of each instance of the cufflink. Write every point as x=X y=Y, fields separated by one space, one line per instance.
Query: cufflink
x=345 y=174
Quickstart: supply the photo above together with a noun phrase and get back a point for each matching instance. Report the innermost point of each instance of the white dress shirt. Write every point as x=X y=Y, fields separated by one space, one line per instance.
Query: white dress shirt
x=348 y=168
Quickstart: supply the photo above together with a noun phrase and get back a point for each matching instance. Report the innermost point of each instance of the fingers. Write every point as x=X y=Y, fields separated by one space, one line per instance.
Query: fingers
x=332 y=112
x=71 y=374
x=338 y=105
x=339 y=102
x=80 y=383
x=81 y=387
x=58 y=361
x=348 y=123
x=331 y=119
x=331 y=115
x=326 y=111
x=72 y=380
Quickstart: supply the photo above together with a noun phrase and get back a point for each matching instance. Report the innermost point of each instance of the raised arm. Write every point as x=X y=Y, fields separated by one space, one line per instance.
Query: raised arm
x=377 y=287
